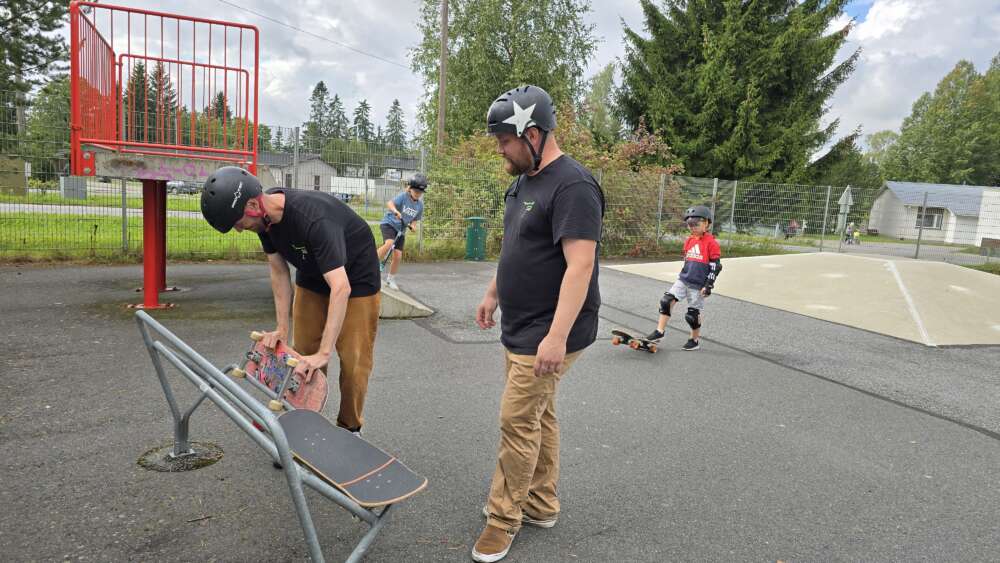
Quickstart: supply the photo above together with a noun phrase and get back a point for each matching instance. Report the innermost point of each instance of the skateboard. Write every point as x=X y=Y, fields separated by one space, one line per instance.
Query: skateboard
x=276 y=369
x=366 y=474
x=633 y=342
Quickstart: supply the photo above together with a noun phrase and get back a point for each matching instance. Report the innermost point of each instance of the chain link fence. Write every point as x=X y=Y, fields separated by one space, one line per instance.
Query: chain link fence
x=47 y=214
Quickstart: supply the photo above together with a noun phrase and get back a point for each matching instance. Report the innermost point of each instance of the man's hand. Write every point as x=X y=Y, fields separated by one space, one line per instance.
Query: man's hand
x=484 y=313
x=706 y=291
x=398 y=214
x=309 y=364
x=550 y=356
x=271 y=339
x=411 y=227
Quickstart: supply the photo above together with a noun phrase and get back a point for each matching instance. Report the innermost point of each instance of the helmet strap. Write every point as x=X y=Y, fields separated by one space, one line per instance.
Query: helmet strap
x=536 y=156
x=261 y=213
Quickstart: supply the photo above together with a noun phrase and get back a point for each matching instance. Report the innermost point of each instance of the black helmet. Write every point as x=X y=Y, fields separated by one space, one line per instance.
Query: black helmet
x=520 y=109
x=418 y=182
x=517 y=110
x=225 y=194
x=699 y=211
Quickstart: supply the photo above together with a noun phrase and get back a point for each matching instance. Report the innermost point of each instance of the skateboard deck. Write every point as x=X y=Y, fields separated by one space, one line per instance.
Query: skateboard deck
x=366 y=474
x=633 y=342
x=273 y=367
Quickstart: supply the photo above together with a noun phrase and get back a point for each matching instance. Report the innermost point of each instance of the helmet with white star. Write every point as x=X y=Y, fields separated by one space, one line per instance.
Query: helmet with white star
x=519 y=109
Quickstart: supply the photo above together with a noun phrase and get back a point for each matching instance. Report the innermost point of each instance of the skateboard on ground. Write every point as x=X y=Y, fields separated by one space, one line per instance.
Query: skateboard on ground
x=275 y=368
x=633 y=342
x=366 y=474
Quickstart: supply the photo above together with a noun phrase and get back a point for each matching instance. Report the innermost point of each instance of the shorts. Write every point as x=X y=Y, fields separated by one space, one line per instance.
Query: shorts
x=682 y=291
x=389 y=232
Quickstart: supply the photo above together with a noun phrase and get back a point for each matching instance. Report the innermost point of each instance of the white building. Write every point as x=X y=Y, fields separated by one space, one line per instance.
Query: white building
x=955 y=214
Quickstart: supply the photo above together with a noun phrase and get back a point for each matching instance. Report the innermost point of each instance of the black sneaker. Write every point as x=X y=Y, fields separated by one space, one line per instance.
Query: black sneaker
x=691 y=344
x=654 y=336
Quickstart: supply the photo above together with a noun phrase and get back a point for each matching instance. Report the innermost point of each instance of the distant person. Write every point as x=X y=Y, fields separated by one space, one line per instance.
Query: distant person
x=404 y=210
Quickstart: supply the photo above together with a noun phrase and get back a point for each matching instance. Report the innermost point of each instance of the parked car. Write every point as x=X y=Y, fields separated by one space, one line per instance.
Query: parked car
x=182 y=187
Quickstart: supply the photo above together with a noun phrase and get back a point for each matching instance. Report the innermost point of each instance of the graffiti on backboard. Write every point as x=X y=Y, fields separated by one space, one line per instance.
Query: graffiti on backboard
x=157 y=169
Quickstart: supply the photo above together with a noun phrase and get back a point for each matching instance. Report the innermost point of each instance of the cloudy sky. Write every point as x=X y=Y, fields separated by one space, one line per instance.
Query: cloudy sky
x=907 y=46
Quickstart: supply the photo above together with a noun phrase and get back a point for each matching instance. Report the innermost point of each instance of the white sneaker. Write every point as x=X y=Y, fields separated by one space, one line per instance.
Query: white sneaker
x=392 y=284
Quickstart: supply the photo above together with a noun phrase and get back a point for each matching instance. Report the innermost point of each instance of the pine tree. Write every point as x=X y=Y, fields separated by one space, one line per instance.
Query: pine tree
x=395 y=127
x=317 y=128
x=362 y=125
x=339 y=124
x=736 y=88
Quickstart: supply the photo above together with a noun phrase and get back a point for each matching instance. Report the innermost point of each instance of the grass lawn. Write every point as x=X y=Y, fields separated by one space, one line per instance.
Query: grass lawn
x=98 y=238
x=989 y=267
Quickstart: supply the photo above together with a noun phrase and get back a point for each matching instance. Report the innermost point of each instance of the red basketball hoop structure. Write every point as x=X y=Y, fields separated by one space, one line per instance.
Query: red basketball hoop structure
x=158 y=97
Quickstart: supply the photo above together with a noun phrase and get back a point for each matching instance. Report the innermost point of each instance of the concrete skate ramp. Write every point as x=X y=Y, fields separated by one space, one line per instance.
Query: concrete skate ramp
x=398 y=305
x=932 y=303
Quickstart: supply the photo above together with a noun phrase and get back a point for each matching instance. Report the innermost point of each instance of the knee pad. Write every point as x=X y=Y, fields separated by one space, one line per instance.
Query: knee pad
x=692 y=318
x=666 y=302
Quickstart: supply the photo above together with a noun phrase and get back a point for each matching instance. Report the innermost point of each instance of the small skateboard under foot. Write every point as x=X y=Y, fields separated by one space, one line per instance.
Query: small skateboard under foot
x=633 y=342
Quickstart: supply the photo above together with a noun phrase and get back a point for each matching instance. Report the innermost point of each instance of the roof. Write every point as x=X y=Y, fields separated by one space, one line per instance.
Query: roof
x=269 y=158
x=960 y=200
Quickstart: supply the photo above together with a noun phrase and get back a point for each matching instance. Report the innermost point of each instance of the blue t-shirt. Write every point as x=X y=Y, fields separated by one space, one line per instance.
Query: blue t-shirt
x=411 y=210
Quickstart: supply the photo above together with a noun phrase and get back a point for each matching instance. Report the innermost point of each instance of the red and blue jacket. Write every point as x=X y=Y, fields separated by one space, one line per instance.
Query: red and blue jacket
x=702 y=261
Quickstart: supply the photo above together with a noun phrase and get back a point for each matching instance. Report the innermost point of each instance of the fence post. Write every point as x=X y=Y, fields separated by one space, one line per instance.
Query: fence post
x=124 y=218
x=826 y=212
x=920 y=229
x=659 y=209
x=715 y=191
x=732 y=214
x=295 y=159
x=420 y=225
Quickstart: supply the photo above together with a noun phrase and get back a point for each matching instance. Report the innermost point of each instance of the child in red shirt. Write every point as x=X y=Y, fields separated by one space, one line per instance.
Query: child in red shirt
x=702 y=264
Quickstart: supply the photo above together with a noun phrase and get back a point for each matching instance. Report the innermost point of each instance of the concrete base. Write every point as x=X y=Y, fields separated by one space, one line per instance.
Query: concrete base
x=398 y=305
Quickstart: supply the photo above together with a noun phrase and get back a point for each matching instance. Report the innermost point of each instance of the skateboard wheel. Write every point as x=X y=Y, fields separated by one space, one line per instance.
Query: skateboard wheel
x=615 y=341
x=652 y=348
x=275 y=405
x=256 y=336
x=633 y=345
x=237 y=373
x=291 y=362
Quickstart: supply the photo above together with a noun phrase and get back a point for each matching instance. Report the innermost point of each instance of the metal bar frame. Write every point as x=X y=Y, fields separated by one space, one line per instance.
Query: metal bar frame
x=243 y=409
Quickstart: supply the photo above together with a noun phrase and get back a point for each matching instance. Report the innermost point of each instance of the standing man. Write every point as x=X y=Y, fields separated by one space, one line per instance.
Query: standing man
x=546 y=285
x=337 y=280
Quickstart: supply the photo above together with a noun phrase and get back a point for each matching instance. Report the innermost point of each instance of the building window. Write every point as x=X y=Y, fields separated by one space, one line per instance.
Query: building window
x=288 y=180
x=933 y=218
x=315 y=182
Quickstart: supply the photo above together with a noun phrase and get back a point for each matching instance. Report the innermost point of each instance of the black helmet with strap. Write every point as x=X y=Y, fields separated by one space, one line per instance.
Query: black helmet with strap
x=699 y=211
x=225 y=195
x=518 y=110
x=418 y=182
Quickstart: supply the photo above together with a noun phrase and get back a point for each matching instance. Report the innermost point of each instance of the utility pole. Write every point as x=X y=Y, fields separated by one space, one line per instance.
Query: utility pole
x=442 y=73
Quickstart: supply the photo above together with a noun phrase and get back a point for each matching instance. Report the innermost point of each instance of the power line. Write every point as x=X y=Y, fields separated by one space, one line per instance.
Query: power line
x=311 y=34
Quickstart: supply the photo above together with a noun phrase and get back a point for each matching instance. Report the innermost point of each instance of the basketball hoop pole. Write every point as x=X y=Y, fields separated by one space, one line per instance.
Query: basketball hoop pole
x=154 y=248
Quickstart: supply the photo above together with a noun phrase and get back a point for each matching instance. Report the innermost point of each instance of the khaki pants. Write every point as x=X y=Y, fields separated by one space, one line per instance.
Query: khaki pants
x=527 y=469
x=355 y=346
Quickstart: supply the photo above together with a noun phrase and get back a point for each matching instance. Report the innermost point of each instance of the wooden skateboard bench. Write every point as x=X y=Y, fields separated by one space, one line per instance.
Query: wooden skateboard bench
x=312 y=451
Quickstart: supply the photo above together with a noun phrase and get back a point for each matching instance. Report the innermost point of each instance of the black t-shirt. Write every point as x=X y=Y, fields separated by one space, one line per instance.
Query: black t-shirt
x=319 y=233
x=562 y=201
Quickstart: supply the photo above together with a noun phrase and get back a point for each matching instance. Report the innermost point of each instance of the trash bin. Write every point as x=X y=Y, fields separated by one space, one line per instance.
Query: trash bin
x=475 y=239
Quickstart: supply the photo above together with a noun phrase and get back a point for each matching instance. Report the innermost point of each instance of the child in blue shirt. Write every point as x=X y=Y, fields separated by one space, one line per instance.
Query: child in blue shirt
x=404 y=210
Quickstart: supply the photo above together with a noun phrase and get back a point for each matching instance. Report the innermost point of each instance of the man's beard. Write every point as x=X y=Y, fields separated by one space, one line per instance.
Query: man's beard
x=514 y=168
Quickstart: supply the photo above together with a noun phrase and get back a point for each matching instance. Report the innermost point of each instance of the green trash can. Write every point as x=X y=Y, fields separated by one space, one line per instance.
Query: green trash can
x=475 y=239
